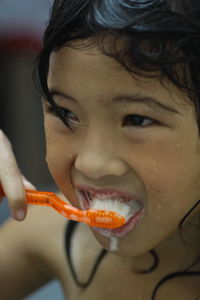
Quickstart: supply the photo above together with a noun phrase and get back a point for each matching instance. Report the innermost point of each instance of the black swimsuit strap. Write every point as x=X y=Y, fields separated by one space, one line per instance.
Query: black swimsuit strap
x=69 y=232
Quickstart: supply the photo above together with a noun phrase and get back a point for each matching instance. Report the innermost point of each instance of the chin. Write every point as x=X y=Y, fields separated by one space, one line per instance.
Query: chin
x=118 y=246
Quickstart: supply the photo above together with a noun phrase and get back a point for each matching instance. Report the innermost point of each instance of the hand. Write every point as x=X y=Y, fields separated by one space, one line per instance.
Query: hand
x=12 y=181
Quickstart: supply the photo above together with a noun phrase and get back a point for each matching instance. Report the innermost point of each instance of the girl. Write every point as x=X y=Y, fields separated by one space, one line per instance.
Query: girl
x=120 y=84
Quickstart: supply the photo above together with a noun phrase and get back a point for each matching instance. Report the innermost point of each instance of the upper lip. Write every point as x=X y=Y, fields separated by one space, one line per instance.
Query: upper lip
x=105 y=191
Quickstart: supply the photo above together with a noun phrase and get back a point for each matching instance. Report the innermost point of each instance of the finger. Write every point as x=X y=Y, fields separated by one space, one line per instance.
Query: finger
x=11 y=179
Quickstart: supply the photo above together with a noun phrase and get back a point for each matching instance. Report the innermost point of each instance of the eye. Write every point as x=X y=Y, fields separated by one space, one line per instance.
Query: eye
x=138 y=120
x=65 y=115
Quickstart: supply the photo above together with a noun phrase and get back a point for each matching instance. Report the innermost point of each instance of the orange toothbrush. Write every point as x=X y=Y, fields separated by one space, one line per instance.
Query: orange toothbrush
x=91 y=217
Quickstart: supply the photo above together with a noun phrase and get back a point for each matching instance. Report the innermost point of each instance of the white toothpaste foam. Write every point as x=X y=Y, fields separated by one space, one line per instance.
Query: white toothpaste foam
x=113 y=244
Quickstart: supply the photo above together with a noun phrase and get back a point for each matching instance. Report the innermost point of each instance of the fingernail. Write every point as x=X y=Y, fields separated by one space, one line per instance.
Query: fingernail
x=29 y=185
x=20 y=214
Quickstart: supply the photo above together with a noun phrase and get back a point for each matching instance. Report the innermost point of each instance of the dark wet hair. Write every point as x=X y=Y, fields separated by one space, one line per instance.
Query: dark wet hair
x=160 y=38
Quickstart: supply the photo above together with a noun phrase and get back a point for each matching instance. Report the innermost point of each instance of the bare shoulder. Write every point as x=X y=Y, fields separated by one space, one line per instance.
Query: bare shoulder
x=45 y=230
x=35 y=247
x=37 y=234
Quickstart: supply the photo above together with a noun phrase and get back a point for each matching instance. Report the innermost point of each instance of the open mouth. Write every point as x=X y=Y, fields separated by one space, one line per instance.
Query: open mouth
x=131 y=209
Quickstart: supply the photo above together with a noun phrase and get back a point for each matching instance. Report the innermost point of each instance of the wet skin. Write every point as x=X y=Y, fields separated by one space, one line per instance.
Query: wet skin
x=156 y=157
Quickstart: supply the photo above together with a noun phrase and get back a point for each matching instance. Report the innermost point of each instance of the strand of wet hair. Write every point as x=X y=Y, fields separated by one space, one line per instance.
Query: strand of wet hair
x=171 y=276
x=154 y=265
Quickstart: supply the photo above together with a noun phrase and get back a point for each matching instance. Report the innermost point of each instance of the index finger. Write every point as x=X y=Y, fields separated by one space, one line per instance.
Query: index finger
x=10 y=177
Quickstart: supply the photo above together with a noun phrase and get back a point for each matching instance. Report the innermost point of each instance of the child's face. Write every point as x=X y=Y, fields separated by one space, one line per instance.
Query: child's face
x=155 y=157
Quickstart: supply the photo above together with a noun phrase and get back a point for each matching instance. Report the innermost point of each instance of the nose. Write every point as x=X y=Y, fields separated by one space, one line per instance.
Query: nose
x=98 y=158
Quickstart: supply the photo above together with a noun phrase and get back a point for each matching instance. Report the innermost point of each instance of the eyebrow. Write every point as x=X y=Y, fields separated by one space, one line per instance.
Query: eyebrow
x=124 y=98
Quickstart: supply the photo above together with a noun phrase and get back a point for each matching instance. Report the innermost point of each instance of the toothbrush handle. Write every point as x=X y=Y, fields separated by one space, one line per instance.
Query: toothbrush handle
x=94 y=218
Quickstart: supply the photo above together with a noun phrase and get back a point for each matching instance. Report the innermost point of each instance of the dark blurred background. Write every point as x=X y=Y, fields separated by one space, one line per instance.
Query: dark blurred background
x=22 y=24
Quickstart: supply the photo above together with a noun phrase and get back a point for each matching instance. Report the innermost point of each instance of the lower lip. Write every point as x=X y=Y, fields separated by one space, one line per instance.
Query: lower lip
x=123 y=230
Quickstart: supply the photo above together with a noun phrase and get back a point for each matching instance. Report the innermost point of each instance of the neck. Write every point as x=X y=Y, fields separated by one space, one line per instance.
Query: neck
x=176 y=253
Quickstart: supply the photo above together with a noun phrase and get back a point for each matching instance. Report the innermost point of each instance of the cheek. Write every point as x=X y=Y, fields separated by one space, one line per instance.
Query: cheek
x=58 y=151
x=60 y=162
x=172 y=191
x=170 y=175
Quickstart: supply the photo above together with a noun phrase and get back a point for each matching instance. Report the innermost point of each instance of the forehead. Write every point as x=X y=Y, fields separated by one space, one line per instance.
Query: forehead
x=77 y=69
x=90 y=61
